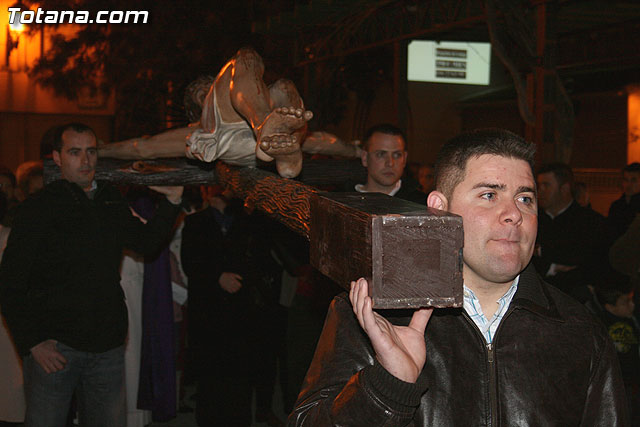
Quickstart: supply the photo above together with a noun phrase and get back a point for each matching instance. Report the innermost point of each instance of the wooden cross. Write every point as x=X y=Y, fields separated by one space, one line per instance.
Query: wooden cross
x=410 y=255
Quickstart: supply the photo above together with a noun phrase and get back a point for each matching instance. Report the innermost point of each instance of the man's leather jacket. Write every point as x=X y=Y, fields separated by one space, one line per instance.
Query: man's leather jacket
x=550 y=364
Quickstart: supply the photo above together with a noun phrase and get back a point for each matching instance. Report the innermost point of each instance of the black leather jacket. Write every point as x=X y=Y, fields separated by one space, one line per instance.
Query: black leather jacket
x=551 y=363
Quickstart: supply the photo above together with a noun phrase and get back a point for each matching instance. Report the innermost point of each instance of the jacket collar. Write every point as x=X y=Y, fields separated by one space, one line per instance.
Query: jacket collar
x=63 y=186
x=533 y=295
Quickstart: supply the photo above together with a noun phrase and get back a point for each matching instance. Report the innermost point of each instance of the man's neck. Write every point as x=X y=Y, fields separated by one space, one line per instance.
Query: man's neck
x=90 y=190
x=373 y=187
x=218 y=203
x=560 y=208
x=488 y=294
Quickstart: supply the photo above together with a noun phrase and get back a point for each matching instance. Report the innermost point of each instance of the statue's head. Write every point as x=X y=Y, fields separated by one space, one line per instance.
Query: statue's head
x=194 y=96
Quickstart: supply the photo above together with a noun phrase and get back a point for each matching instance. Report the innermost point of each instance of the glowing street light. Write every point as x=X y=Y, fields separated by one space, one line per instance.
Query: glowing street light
x=14 y=29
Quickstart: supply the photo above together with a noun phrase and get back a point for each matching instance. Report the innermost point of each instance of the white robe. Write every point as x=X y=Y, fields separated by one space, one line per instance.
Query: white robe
x=132 y=275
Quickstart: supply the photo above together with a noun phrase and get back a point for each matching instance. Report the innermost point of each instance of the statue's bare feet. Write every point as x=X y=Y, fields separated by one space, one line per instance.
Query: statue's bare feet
x=283 y=121
x=279 y=145
x=279 y=137
x=286 y=150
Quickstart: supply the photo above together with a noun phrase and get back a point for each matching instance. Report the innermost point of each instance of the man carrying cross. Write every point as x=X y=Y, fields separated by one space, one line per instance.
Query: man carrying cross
x=519 y=352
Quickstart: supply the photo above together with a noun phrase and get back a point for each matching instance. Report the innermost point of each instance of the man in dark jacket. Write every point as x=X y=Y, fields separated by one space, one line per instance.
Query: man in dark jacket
x=60 y=287
x=519 y=352
x=623 y=210
x=564 y=226
x=233 y=293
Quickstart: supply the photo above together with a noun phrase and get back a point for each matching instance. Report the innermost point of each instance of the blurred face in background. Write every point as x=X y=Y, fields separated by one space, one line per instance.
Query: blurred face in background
x=384 y=159
x=209 y=192
x=631 y=183
x=214 y=195
x=35 y=184
x=549 y=191
x=426 y=178
x=624 y=306
x=581 y=194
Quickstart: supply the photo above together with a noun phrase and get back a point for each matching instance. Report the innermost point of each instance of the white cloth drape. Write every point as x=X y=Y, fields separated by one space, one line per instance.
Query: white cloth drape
x=132 y=272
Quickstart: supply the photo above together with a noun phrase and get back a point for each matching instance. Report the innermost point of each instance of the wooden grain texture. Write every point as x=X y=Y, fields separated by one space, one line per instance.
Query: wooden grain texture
x=283 y=199
x=179 y=171
x=421 y=261
x=183 y=171
x=340 y=241
x=409 y=254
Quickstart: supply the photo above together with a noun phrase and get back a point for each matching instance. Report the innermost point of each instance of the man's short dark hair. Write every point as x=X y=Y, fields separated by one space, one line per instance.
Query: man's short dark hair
x=561 y=171
x=387 y=129
x=632 y=167
x=453 y=157
x=77 y=127
x=579 y=188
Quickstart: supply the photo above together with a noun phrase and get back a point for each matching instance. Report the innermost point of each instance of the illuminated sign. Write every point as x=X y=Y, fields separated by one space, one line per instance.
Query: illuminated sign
x=449 y=62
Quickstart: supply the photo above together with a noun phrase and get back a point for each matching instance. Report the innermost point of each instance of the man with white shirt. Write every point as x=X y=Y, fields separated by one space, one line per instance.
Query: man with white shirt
x=519 y=352
x=572 y=240
x=384 y=155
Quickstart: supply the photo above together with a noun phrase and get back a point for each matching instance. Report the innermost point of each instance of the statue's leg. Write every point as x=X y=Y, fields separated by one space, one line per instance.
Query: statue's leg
x=329 y=144
x=170 y=143
x=248 y=95
x=277 y=128
x=284 y=93
x=286 y=148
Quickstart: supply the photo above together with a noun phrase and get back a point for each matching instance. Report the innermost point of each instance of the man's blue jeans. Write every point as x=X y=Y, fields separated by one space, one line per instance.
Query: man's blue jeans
x=97 y=378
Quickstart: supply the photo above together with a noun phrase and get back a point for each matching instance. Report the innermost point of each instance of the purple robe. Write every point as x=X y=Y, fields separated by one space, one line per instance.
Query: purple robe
x=157 y=390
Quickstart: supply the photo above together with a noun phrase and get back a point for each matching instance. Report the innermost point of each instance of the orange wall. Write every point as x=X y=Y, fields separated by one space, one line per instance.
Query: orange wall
x=27 y=110
x=633 y=124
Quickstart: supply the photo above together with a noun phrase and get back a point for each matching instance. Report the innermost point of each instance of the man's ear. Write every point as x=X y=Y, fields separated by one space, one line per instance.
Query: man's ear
x=437 y=200
x=56 y=157
x=363 y=157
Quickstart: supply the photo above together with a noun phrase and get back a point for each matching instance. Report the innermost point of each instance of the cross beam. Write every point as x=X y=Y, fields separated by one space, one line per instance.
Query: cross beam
x=410 y=255
x=283 y=199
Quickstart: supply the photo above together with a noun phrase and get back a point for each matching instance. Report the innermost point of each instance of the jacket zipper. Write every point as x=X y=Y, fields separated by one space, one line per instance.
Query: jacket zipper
x=493 y=393
x=493 y=400
x=493 y=381
x=493 y=385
